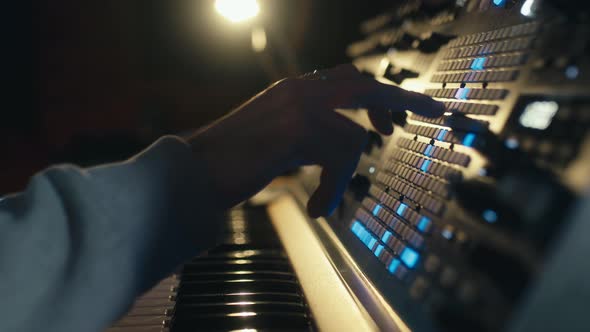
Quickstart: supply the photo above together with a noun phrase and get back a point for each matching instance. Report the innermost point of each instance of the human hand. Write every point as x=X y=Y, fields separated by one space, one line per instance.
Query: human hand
x=292 y=123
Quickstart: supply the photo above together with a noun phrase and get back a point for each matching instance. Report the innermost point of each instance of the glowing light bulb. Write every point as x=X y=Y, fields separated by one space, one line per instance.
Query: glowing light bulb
x=237 y=10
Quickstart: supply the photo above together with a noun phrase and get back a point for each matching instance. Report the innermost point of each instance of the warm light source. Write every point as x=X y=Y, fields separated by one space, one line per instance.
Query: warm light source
x=237 y=10
x=258 y=39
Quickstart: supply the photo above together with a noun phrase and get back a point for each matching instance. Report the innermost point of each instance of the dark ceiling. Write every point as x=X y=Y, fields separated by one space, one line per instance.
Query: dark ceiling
x=110 y=76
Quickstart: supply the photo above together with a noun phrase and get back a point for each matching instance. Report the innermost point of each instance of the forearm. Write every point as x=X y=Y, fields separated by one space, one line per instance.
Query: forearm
x=78 y=245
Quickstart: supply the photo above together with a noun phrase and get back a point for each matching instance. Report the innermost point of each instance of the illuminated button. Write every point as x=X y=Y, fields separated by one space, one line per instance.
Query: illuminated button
x=386 y=236
x=448 y=232
x=490 y=216
x=424 y=224
x=469 y=139
x=372 y=242
x=572 y=72
x=428 y=150
x=441 y=135
x=410 y=257
x=378 y=250
x=462 y=93
x=499 y=3
x=425 y=165
x=393 y=265
x=400 y=210
x=478 y=63
x=511 y=143
x=376 y=209
x=539 y=114
x=356 y=227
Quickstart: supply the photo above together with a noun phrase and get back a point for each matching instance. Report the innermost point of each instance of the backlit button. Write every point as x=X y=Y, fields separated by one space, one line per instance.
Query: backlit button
x=424 y=224
x=400 y=210
x=395 y=263
x=410 y=257
x=386 y=236
x=448 y=232
x=378 y=250
x=376 y=209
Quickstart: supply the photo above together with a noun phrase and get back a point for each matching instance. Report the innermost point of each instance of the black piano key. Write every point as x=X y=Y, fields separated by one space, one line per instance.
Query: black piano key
x=233 y=275
x=240 y=306
x=245 y=320
x=246 y=265
x=244 y=296
x=232 y=287
x=223 y=287
x=247 y=254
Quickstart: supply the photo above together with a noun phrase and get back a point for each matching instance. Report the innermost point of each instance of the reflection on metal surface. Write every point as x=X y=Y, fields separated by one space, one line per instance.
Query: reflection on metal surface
x=326 y=294
x=237 y=10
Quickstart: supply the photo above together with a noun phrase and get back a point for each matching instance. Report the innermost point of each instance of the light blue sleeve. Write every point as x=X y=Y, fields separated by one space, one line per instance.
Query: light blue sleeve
x=78 y=245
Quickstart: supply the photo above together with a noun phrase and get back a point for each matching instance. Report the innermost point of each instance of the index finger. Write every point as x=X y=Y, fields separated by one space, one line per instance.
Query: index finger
x=368 y=93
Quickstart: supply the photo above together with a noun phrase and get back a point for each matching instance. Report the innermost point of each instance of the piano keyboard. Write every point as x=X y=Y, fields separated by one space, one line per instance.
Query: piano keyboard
x=245 y=284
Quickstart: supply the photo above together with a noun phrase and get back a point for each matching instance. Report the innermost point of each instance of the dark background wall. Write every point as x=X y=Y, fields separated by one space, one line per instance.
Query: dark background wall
x=95 y=81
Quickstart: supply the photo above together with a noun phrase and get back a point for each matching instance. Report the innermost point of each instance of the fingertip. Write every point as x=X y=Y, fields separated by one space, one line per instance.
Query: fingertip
x=438 y=108
x=381 y=120
x=385 y=128
x=430 y=108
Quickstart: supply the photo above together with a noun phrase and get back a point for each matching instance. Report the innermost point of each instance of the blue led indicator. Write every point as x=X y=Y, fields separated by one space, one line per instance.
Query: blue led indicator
x=378 y=250
x=400 y=210
x=462 y=93
x=366 y=237
x=372 y=242
x=478 y=63
x=447 y=233
x=376 y=209
x=499 y=2
x=429 y=150
x=393 y=265
x=386 y=236
x=441 y=135
x=410 y=257
x=356 y=227
x=469 y=139
x=425 y=165
x=423 y=224
x=511 y=143
x=490 y=216
x=572 y=72
x=360 y=229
